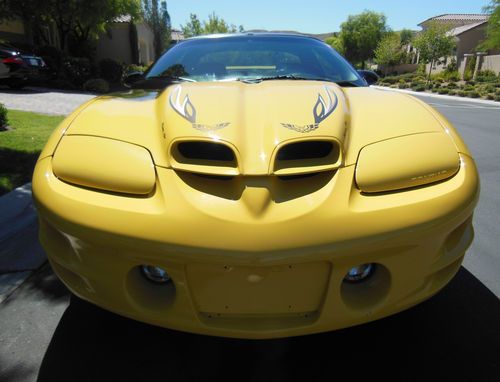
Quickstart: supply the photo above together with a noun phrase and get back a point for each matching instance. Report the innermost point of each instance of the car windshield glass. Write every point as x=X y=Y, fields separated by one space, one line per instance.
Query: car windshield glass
x=254 y=57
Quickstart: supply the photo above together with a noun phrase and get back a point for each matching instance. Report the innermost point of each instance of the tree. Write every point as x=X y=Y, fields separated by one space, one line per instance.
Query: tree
x=493 y=29
x=434 y=43
x=336 y=43
x=84 y=19
x=406 y=35
x=158 y=20
x=215 y=24
x=360 y=35
x=389 y=52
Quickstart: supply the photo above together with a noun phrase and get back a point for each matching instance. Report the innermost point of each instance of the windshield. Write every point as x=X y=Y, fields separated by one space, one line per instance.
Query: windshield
x=254 y=57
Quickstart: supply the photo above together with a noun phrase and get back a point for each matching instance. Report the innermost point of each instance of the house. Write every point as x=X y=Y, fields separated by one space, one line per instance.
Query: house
x=469 y=30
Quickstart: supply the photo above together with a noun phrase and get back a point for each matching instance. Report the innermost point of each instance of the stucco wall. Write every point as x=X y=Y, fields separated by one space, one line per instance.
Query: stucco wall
x=469 y=40
x=115 y=44
x=491 y=63
x=145 y=39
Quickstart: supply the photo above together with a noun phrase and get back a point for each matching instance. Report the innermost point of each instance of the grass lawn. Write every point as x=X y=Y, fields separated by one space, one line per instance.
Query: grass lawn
x=20 y=147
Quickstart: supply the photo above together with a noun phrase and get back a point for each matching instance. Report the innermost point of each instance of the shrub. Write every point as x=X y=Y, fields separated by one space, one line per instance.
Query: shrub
x=96 y=85
x=138 y=68
x=452 y=92
x=461 y=93
x=452 y=85
x=486 y=76
x=490 y=96
x=443 y=91
x=438 y=80
x=77 y=70
x=390 y=80
x=468 y=88
x=403 y=85
x=497 y=98
x=110 y=70
x=3 y=115
x=419 y=88
x=473 y=94
x=451 y=76
x=471 y=82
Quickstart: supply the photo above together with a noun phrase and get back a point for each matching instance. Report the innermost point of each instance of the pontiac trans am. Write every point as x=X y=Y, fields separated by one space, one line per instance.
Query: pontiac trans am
x=255 y=186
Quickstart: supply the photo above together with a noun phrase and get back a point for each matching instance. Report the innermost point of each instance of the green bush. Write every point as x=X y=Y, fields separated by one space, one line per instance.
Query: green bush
x=390 y=80
x=443 y=91
x=110 y=70
x=453 y=92
x=471 y=82
x=486 y=76
x=96 y=85
x=468 y=88
x=497 y=98
x=419 y=88
x=134 y=68
x=3 y=115
x=451 y=76
x=77 y=70
x=472 y=94
x=490 y=96
x=461 y=93
x=452 y=85
x=403 y=85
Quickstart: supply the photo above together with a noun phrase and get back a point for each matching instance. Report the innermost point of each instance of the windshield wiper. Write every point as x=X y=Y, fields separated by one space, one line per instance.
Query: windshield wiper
x=158 y=82
x=300 y=78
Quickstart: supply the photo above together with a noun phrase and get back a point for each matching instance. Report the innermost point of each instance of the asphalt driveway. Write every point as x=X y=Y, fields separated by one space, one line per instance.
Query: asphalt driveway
x=455 y=335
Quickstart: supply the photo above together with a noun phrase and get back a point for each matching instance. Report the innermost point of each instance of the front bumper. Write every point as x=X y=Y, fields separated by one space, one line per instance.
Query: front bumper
x=259 y=278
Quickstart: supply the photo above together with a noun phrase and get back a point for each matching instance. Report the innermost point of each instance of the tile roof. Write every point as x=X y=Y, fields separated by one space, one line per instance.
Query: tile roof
x=472 y=17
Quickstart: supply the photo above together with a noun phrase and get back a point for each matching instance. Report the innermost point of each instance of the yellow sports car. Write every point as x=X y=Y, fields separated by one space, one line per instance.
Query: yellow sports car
x=254 y=186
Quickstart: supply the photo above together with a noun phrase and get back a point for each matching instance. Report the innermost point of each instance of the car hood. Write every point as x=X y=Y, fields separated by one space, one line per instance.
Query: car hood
x=255 y=119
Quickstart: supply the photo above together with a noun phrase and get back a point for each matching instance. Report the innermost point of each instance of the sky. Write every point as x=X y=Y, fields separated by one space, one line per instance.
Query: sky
x=316 y=16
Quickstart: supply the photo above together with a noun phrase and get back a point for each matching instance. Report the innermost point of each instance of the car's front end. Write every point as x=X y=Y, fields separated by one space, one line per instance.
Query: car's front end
x=255 y=209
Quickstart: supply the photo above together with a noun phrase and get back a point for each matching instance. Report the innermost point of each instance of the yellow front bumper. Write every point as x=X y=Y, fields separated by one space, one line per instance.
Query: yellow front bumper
x=256 y=278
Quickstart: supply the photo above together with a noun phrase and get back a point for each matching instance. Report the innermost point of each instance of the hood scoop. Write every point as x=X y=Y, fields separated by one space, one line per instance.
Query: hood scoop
x=307 y=156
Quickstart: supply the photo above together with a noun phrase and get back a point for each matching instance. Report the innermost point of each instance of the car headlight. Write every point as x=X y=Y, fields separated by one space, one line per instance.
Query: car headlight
x=104 y=164
x=405 y=162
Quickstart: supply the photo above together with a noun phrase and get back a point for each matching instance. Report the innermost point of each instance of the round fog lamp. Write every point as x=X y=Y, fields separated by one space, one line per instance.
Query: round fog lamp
x=155 y=274
x=359 y=272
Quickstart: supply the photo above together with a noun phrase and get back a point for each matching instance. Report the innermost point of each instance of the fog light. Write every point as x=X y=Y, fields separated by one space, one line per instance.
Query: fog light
x=360 y=272
x=155 y=274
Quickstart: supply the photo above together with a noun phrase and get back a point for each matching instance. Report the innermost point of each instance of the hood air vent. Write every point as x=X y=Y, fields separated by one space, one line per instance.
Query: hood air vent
x=205 y=151
x=306 y=157
x=204 y=157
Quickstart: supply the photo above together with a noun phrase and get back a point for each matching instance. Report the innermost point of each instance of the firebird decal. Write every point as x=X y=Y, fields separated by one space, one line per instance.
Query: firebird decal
x=321 y=110
x=187 y=111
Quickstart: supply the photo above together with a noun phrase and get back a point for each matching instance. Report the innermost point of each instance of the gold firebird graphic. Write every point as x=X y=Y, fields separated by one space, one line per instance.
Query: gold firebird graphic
x=187 y=111
x=321 y=110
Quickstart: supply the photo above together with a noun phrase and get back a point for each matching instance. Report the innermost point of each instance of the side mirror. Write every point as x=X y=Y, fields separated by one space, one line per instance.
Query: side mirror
x=132 y=77
x=369 y=76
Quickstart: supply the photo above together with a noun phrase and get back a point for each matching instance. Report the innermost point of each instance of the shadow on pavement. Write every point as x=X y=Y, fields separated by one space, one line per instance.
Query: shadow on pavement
x=454 y=335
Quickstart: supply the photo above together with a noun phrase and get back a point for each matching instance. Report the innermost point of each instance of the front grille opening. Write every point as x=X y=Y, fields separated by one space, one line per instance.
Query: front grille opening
x=206 y=151
x=306 y=150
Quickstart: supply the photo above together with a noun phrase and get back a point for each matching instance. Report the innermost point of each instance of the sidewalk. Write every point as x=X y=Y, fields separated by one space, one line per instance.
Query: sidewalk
x=20 y=252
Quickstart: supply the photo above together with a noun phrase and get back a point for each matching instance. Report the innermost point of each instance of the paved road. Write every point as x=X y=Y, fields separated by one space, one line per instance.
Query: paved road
x=455 y=335
x=479 y=126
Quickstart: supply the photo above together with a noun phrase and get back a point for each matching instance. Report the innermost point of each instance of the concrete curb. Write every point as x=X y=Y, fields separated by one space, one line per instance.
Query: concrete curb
x=20 y=251
x=442 y=96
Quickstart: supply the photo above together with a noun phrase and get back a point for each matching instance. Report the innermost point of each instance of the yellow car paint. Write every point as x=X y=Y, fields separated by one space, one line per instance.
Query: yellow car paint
x=255 y=248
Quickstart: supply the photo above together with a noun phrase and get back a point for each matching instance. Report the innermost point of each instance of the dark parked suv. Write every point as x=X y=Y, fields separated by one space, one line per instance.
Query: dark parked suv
x=18 y=69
